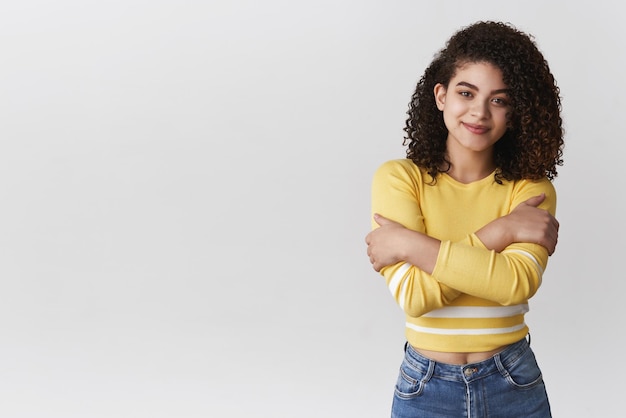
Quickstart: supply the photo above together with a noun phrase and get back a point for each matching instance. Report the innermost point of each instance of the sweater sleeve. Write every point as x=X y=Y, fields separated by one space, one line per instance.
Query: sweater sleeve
x=395 y=195
x=509 y=277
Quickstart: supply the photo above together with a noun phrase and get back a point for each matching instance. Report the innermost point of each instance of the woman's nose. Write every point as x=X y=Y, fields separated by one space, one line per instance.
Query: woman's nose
x=479 y=108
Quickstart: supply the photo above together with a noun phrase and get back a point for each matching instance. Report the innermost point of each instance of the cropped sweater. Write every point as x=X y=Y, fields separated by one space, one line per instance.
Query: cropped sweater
x=475 y=299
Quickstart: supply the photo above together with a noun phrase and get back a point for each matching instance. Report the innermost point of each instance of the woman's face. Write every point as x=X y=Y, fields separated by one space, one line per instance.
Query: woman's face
x=475 y=107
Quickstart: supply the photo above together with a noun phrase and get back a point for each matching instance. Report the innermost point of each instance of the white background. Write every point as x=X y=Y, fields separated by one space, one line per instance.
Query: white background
x=185 y=191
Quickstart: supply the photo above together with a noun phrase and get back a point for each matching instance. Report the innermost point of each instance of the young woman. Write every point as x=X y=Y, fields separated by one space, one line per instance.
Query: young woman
x=464 y=226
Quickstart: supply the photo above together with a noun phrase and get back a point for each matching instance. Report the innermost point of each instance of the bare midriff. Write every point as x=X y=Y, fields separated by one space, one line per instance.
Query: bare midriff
x=459 y=358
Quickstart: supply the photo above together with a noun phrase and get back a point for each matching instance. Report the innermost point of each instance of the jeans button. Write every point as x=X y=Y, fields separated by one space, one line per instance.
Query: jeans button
x=469 y=371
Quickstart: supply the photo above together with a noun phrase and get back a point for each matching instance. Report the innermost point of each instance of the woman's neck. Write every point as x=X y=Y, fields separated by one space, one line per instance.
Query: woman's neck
x=469 y=166
x=469 y=170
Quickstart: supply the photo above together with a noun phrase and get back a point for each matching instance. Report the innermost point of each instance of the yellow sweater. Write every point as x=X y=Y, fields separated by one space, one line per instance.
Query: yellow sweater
x=475 y=299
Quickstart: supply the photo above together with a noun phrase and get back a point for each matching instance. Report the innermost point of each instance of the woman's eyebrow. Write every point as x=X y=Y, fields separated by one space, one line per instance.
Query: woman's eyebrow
x=473 y=87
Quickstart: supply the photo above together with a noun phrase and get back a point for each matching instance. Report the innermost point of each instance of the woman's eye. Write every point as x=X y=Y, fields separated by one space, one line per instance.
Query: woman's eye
x=465 y=93
x=500 y=101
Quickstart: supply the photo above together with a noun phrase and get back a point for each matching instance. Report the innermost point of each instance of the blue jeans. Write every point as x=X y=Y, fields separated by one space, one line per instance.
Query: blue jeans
x=508 y=385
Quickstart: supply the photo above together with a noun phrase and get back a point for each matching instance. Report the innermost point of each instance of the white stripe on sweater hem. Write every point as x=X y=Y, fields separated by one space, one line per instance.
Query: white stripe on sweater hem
x=478 y=311
x=465 y=331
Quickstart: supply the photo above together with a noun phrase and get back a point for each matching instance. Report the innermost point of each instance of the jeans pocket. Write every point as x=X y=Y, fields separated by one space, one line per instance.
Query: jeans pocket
x=410 y=381
x=524 y=373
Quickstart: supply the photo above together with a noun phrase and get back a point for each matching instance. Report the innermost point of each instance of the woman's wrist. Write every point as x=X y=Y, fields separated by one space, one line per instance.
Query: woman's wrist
x=497 y=234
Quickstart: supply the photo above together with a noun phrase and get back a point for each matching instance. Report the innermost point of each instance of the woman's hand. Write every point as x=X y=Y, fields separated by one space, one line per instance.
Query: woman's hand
x=531 y=224
x=384 y=244
x=392 y=243
x=526 y=223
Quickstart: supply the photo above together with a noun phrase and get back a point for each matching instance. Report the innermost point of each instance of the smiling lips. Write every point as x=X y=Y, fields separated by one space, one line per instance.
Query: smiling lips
x=475 y=129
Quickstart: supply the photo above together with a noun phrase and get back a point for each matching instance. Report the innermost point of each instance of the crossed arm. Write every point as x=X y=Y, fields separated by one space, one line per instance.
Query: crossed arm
x=392 y=242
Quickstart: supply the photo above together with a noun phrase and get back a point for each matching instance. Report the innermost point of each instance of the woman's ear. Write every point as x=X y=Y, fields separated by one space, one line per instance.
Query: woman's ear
x=440 y=95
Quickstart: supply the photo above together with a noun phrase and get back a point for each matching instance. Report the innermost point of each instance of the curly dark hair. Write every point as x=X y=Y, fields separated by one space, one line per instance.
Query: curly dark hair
x=532 y=146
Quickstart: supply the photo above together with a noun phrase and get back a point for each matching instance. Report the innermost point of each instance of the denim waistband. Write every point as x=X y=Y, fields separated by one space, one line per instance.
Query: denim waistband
x=470 y=371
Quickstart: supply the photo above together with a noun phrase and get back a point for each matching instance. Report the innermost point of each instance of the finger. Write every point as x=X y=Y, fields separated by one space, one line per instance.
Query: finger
x=536 y=200
x=381 y=220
